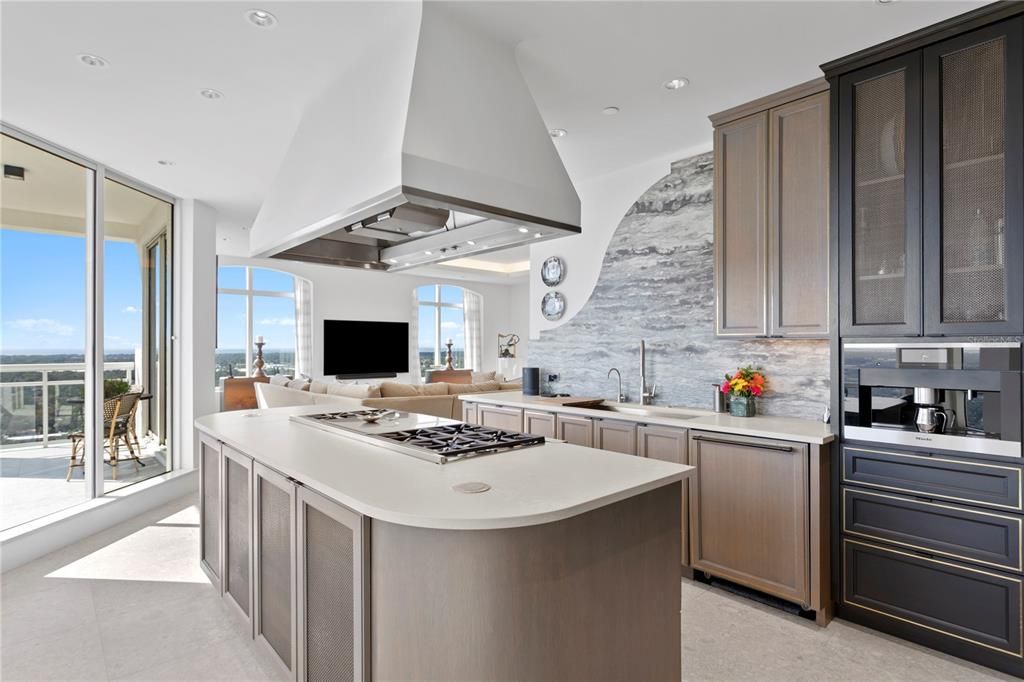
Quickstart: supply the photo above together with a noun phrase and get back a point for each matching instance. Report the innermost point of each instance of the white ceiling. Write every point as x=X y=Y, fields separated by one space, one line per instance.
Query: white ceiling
x=577 y=57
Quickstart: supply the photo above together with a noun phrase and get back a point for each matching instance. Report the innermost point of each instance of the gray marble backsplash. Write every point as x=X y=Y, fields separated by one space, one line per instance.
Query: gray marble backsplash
x=656 y=283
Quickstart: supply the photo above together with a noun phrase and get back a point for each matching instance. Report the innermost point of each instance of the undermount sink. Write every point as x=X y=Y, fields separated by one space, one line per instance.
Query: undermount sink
x=636 y=410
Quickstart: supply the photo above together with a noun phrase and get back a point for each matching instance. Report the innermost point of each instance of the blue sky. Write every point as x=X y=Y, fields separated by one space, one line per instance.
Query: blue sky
x=42 y=294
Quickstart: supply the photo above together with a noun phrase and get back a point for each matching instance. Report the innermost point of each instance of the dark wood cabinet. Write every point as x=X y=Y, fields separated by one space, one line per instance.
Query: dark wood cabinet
x=930 y=190
x=973 y=189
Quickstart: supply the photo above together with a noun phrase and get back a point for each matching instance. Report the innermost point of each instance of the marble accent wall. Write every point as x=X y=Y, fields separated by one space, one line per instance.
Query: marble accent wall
x=656 y=283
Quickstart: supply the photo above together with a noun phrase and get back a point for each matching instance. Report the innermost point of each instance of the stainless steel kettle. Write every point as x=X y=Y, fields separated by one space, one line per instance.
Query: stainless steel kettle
x=931 y=419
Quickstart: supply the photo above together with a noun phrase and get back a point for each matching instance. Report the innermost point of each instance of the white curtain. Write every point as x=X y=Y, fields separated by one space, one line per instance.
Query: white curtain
x=414 y=340
x=473 y=308
x=303 y=327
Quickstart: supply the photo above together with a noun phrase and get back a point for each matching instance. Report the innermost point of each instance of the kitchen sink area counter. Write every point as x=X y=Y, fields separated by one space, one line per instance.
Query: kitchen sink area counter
x=783 y=428
x=341 y=555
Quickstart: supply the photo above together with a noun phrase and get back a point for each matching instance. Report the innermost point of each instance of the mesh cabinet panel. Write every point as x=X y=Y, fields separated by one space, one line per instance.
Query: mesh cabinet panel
x=329 y=626
x=275 y=582
x=211 y=507
x=974 y=184
x=879 y=238
x=237 y=531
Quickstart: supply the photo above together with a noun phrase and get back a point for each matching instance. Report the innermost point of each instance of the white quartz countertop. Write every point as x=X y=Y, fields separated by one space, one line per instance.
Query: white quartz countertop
x=529 y=486
x=780 y=428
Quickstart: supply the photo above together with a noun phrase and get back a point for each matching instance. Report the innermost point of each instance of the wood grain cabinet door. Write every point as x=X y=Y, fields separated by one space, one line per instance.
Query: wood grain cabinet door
x=741 y=187
x=237 y=536
x=504 y=418
x=798 y=218
x=469 y=413
x=539 y=423
x=615 y=436
x=575 y=430
x=274 y=564
x=750 y=512
x=669 y=445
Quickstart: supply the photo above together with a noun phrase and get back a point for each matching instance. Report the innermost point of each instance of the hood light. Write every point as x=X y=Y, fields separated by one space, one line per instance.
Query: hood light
x=537 y=235
x=429 y=253
x=92 y=60
x=261 y=18
x=471 y=243
x=524 y=230
x=392 y=260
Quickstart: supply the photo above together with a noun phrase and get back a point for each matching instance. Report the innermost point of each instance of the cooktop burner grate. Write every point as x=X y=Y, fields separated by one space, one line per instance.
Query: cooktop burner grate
x=462 y=439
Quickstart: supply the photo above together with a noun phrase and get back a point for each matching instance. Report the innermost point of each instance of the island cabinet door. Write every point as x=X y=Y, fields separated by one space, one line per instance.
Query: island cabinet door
x=498 y=417
x=237 y=536
x=575 y=430
x=615 y=436
x=669 y=445
x=274 y=559
x=750 y=513
x=538 y=423
x=332 y=639
x=209 y=508
x=469 y=413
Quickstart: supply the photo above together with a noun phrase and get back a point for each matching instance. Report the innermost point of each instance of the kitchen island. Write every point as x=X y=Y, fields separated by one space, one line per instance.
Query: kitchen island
x=350 y=559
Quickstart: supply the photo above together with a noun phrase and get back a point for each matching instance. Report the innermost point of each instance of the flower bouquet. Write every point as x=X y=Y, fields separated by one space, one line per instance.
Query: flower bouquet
x=742 y=387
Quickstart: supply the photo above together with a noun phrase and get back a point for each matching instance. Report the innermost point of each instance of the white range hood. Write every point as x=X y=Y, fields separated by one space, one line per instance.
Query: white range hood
x=429 y=150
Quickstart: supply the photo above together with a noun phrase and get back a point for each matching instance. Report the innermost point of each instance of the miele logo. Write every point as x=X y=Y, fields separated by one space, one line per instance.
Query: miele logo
x=924 y=438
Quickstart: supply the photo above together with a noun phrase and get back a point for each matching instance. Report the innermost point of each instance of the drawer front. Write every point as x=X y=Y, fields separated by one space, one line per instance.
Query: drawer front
x=970 y=535
x=975 y=606
x=990 y=485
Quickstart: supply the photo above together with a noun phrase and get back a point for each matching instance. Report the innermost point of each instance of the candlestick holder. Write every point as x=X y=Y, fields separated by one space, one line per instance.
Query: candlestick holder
x=258 y=364
x=448 y=358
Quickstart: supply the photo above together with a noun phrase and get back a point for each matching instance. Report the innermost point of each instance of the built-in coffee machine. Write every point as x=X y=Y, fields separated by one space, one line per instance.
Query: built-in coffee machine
x=960 y=397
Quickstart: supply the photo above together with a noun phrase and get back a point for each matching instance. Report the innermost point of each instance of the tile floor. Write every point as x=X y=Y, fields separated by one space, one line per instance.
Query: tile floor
x=131 y=603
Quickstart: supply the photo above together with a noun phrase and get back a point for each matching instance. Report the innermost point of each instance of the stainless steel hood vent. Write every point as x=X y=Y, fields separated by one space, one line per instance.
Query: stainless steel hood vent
x=453 y=159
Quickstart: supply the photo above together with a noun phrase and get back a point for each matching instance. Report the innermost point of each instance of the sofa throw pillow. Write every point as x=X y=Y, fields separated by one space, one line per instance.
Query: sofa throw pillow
x=319 y=387
x=298 y=384
x=484 y=387
x=394 y=389
x=280 y=380
x=481 y=377
x=439 y=388
x=352 y=390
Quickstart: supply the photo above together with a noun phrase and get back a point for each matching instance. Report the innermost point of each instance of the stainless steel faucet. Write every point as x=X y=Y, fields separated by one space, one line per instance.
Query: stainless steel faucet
x=646 y=396
x=622 y=396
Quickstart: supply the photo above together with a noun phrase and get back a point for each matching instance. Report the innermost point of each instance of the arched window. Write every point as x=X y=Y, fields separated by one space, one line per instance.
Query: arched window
x=255 y=304
x=447 y=313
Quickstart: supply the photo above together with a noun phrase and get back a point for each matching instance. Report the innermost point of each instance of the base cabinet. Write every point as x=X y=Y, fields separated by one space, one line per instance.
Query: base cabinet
x=237 y=580
x=274 y=563
x=669 y=445
x=331 y=570
x=539 y=423
x=575 y=430
x=469 y=413
x=209 y=508
x=616 y=436
x=498 y=417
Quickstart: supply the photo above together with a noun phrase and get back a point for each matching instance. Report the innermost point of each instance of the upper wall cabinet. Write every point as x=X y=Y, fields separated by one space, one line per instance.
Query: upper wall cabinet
x=930 y=190
x=771 y=216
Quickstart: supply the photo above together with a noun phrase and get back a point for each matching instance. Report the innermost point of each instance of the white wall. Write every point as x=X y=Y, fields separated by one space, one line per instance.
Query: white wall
x=341 y=293
x=604 y=202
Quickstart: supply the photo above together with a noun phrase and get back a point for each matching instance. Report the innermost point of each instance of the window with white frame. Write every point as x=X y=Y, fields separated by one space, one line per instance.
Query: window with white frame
x=441 y=310
x=255 y=304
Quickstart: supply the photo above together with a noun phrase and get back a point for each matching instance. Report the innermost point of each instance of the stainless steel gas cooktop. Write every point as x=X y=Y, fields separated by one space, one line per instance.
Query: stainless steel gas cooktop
x=440 y=444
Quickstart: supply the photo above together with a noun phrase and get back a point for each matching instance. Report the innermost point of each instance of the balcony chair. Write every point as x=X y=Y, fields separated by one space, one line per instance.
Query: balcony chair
x=118 y=427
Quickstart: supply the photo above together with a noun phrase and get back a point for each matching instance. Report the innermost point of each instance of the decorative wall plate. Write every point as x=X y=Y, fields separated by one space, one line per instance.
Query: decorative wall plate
x=552 y=272
x=552 y=306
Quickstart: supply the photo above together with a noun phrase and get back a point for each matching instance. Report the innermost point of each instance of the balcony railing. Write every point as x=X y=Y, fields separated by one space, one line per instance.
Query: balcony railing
x=29 y=418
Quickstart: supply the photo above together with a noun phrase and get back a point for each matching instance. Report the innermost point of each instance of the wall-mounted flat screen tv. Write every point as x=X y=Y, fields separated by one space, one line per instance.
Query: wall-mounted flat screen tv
x=361 y=349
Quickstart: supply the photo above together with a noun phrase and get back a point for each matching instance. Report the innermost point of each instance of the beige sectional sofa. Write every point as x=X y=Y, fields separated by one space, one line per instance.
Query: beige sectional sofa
x=439 y=400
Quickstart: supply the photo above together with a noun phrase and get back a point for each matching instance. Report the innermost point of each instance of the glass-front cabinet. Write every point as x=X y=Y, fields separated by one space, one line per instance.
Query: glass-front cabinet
x=930 y=190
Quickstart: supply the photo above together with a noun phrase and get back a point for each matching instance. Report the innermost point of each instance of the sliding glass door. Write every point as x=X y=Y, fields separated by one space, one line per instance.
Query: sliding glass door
x=84 y=330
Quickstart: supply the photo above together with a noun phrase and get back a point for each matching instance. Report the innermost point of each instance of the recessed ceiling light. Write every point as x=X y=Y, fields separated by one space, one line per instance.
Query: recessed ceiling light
x=537 y=235
x=261 y=18
x=523 y=230
x=92 y=60
x=884 y=2
x=558 y=132
x=165 y=162
x=392 y=260
x=429 y=253
x=677 y=83
x=210 y=93
x=610 y=111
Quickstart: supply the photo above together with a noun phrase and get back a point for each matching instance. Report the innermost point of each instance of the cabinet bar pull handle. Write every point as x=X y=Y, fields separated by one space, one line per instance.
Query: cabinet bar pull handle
x=763 y=446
